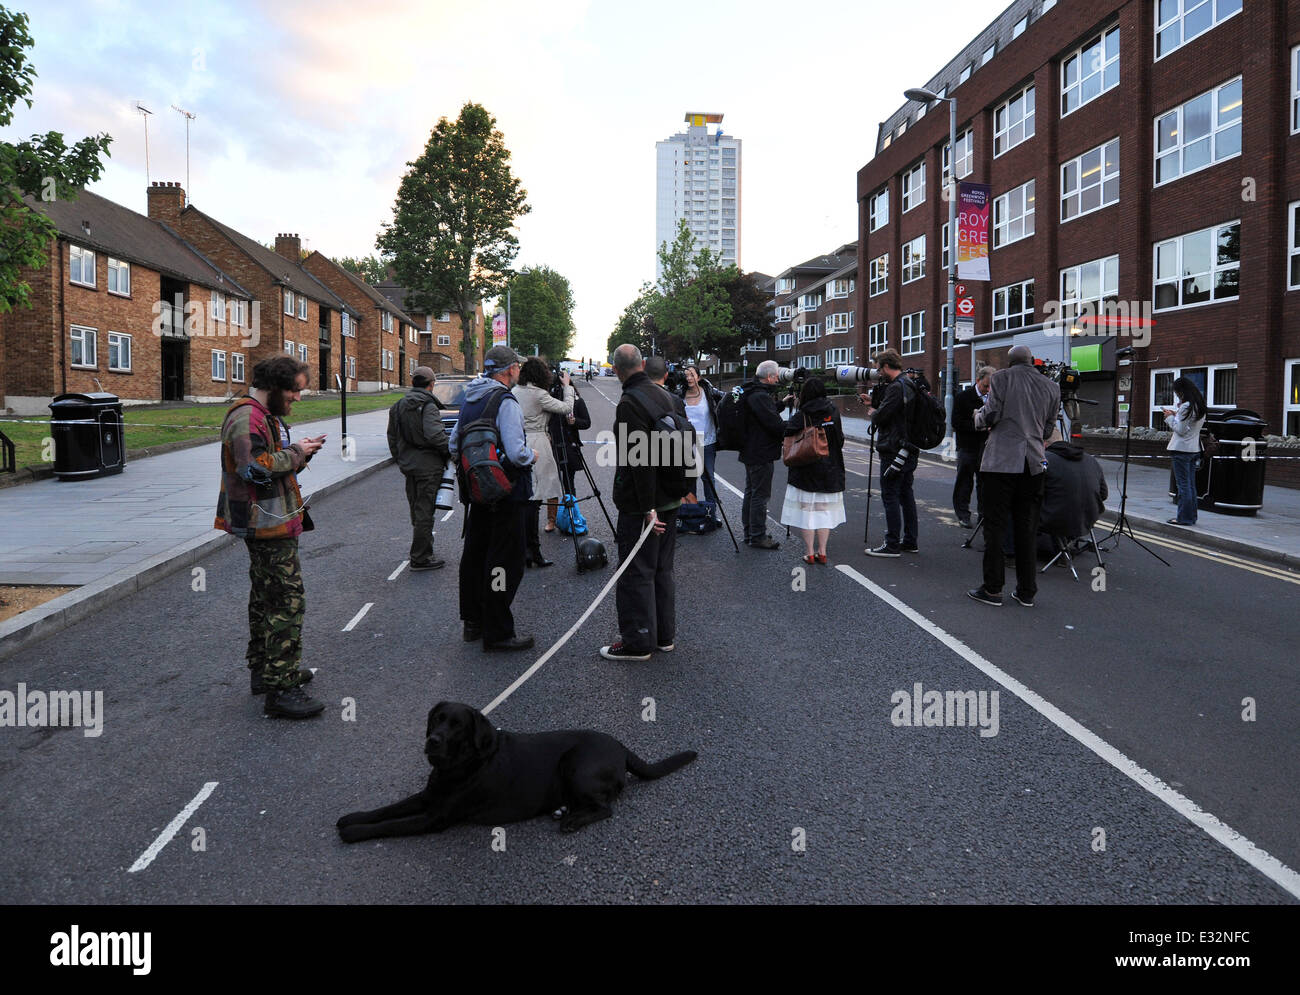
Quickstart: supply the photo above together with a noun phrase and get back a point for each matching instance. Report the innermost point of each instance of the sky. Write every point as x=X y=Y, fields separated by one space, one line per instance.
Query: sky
x=307 y=113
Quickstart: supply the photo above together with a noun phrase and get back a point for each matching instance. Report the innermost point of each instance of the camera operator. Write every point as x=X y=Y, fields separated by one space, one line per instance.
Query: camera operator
x=970 y=444
x=764 y=430
x=898 y=458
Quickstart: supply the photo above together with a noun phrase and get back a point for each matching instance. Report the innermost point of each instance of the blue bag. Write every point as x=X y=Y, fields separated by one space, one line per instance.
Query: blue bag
x=579 y=524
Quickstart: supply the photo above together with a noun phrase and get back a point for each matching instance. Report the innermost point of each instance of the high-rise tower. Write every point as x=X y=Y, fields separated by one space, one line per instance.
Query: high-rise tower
x=698 y=178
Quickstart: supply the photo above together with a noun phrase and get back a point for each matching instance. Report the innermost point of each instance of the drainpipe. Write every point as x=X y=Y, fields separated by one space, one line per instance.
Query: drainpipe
x=63 y=322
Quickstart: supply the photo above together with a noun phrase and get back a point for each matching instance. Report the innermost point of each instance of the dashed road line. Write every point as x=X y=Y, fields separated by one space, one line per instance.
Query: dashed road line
x=400 y=567
x=358 y=616
x=173 y=827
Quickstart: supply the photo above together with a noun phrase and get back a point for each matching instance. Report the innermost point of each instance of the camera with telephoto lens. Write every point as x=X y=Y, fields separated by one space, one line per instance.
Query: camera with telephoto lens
x=849 y=375
x=899 y=463
x=788 y=374
x=446 y=499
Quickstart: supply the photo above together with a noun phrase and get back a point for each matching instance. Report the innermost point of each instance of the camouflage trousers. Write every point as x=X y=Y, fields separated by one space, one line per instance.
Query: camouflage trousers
x=276 y=604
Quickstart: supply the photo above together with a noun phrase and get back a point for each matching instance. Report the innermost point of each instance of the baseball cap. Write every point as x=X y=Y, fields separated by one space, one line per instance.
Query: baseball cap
x=499 y=357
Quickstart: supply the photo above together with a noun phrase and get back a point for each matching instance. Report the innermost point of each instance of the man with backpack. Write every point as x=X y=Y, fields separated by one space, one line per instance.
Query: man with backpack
x=418 y=443
x=759 y=450
x=493 y=464
x=898 y=455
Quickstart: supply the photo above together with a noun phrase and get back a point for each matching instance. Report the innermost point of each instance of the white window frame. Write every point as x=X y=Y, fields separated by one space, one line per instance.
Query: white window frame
x=1002 y=135
x=944 y=249
x=1183 y=7
x=989 y=53
x=810 y=302
x=838 y=289
x=809 y=333
x=913 y=260
x=302 y=308
x=236 y=367
x=238 y=310
x=834 y=357
x=1103 y=179
x=965 y=156
x=944 y=324
x=302 y=352
x=217 y=306
x=785 y=285
x=82 y=334
x=914 y=187
x=966 y=73
x=386 y=321
x=1212 y=372
x=1020 y=27
x=1090 y=60
x=444 y=340
x=1179 y=149
x=288 y=347
x=1293 y=246
x=288 y=302
x=1215 y=268
x=219 y=365
x=1107 y=265
x=1004 y=319
x=445 y=317
x=878 y=270
x=913 y=333
x=785 y=312
x=877 y=337
x=83 y=257
x=1295 y=90
x=807 y=362
x=877 y=214
x=123 y=271
x=785 y=340
x=352 y=367
x=119 y=339
x=1025 y=196
x=840 y=321
x=1290 y=403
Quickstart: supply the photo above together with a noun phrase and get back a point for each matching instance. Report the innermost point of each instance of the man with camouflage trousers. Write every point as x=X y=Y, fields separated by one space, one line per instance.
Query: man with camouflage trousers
x=418 y=442
x=260 y=502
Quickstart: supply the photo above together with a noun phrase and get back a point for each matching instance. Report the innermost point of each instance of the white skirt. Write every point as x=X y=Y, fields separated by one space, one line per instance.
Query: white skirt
x=810 y=510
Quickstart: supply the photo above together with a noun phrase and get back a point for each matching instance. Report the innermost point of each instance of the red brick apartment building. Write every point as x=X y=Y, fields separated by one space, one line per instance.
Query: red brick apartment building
x=440 y=334
x=1144 y=152
x=815 y=306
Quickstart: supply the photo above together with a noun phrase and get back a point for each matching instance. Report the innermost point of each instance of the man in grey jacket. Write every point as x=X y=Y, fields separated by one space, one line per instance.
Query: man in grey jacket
x=1020 y=411
x=418 y=442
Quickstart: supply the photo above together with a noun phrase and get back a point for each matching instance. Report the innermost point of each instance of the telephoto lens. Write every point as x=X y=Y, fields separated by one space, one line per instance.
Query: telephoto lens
x=791 y=374
x=856 y=374
x=446 y=499
x=900 y=461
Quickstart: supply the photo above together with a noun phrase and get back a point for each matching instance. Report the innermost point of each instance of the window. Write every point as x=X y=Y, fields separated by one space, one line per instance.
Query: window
x=1293 y=246
x=836 y=356
x=1217 y=383
x=288 y=347
x=119 y=352
x=965 y=156
x=943 y=264
x=352 y=367
x=288 y=302
x=302 y=353
x=809 y=333
x=444 y=340
x=965 y=73
x=217 y=306
x=445 y=316
x=810 y=302
x=302 y=308
x=879 y=283
x=218 y=365
x=841 y=321
x=1020 y=27
x=1089 y=283
x=838 y=289
x=1090 y=71
x=1090 y=182
x=877 y=212
x=914 y=259
x=1013 y=306
x=1291 y=397
x=1013 y=122
x=83 y=347
x=785 y=312
x=1199 y=268
x=989 y=52
x=1013 y=215
x=386 y=322
x=1203 y=131
x=237 y=367
x=1295 y=90
x=785 y=340
x=913 y=333
x=945 y=322
x=238 y=312
x=1180 y=21
x=914 y=187
x=81 y=266
x=878 y=337
x=119 y=277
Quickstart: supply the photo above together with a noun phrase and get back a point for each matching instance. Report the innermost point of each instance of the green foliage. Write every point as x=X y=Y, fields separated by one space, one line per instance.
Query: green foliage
x=637 y=323
x=751 y=317
x=541 y=312
x=371 y=269
x=692 y=311
x=452 y=236
x=43 y=167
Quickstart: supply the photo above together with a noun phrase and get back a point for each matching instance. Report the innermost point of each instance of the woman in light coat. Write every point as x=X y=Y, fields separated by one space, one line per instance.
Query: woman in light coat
x=1185 y=422
x=533 y=393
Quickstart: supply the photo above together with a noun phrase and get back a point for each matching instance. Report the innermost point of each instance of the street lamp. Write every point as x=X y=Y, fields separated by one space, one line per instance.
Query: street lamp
x=925 y=97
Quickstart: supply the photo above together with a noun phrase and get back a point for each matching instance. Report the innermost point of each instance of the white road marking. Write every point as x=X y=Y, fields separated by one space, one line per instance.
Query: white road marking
x=400 y=567
x=173 y=827
x=1268 y=865
x=358 y=617
x=741 y=494
x=449 y=514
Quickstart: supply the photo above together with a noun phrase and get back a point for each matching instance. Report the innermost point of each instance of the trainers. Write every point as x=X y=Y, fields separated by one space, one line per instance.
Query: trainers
x=666 y=647
x=618 y=651
x=914 y=548
x=965 y=523
x=257 y=680
x=1027 y=601
x=979 y=594
x=767 y=542
x=293 y=703
x=428 y=565
x=884 y=549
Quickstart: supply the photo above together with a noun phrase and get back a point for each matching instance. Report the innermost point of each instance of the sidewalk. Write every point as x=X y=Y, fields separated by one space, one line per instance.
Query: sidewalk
x=110 y=536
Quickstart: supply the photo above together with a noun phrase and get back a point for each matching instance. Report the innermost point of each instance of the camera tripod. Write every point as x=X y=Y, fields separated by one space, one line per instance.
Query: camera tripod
x=1123 y=527
x=567 y=483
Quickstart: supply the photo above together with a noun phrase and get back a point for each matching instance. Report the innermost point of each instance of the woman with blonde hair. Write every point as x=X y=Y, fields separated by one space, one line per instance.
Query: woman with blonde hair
x=534 y=395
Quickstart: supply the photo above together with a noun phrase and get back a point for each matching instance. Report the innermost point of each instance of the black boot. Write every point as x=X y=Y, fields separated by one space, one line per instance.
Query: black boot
x=257 y=681
x=293 y=703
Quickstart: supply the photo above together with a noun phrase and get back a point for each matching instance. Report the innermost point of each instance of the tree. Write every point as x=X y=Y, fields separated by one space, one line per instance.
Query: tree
x=692 y=307
x=751 y=317
x=541 y=312
x=452 y=236
x=42 y=167
x=372 y=269
x=637 y=323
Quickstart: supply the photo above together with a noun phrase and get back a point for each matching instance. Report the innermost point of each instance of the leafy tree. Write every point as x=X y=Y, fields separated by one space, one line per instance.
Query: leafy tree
x=541 y=312
x=452 y=236
x=692 y=310
x=637 y=323
x=751 y=317
x=42 y=167
x=371 y=269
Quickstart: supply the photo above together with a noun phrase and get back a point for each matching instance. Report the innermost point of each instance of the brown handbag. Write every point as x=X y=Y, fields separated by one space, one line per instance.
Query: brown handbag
x=806 y=447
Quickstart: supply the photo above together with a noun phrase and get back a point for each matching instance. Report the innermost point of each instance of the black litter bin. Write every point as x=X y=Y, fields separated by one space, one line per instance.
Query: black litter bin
x=1232 y=482
x=87 y=431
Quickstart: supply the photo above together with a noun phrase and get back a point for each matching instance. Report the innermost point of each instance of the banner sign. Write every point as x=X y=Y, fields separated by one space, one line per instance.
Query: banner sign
x=499 y=328
x=973 y=204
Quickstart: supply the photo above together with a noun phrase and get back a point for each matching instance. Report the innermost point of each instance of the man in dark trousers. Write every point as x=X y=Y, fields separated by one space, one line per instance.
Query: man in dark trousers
x=492 y=562
x=1020 y=412
x=646 y=595
x=418 y=442
x=764 y=430
x=898 y=458
x=970 y=444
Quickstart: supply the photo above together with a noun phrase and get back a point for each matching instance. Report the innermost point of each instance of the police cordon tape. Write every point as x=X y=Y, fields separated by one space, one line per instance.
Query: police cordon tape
x=95 y=421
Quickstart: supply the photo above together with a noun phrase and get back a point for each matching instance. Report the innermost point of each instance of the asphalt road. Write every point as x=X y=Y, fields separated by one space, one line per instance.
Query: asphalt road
x=782 y=681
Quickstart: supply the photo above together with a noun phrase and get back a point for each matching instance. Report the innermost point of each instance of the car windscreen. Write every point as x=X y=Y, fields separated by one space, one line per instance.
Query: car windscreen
x=450 y=395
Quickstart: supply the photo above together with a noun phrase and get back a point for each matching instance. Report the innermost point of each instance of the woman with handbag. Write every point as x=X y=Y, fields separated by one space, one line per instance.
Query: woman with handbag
x=701 y=401
x=533 y=392
x=1185 y=422
x=813 y=450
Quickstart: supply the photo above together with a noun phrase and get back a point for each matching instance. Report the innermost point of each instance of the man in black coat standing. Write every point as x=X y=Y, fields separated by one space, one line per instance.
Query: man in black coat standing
x=764 y=430
x=970 y=444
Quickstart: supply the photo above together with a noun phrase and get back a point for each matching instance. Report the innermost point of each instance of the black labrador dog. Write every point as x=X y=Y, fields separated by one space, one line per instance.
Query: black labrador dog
x=488 y=777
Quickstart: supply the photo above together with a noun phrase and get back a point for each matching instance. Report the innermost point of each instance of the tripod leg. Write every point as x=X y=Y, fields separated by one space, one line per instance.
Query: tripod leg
x=979 y=524
x=871 y=462
x=709 y=477
x=596 y=493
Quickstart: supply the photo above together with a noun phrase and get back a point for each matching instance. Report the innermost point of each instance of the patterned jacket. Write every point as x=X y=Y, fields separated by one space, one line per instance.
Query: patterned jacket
x=259 y=497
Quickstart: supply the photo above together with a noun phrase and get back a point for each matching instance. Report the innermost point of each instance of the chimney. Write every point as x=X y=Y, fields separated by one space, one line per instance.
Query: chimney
x=166 y=201
x=289 y=246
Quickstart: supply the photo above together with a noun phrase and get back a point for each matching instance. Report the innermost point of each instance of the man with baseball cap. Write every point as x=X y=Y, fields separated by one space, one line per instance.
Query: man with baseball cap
x=418 y=443
x=492 y=562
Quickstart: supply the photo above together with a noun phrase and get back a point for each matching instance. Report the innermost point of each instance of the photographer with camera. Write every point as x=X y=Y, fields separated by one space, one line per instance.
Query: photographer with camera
x=970 y=444
x=566 y=447
x=537 y=404
x=761 y=448
x=887 y=409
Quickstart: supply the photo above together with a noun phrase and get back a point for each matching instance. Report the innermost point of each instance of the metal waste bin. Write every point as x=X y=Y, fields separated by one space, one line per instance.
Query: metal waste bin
x=87 y=432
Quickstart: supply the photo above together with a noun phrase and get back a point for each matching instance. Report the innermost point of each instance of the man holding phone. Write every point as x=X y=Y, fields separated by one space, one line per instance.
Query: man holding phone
x=261 y=503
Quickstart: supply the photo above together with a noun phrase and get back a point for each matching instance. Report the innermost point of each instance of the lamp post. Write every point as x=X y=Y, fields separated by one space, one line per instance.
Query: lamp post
x=925 y=97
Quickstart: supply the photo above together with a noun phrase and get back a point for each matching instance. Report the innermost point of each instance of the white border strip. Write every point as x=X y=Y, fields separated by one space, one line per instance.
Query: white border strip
x=1268 y=865
x=400 y=567
x=173 y=827
x=358 y=616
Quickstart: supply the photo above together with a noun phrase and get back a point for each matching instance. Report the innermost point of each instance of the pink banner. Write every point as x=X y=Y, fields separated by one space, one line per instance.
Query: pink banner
x=973 y=201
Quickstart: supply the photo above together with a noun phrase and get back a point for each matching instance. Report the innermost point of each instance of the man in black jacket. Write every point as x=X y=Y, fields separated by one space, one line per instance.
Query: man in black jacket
x=764 y=430
x=418 y=442
x=1074 y=490
x=898 y=457
x=646 y=594
x=970 y=444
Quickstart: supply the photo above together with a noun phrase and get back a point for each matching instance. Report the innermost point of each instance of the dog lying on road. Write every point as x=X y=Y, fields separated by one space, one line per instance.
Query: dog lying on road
x=488 y=777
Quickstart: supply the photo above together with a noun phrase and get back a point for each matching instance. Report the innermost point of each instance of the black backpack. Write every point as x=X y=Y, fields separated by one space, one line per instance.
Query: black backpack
x=926 y=421
x=731 y=420
x=483 y=479
x=674 y=435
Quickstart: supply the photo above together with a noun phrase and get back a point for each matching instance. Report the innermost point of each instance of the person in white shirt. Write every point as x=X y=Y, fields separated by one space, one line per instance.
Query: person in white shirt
x=1185 y=421
x=702 y=409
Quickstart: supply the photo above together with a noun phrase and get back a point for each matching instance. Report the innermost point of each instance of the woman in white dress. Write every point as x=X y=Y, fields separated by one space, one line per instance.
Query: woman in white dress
x=814 y=494
x=533 y=392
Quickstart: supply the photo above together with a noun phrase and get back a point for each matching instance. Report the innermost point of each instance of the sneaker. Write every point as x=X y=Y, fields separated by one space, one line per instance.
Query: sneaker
x=666 y=647
x=257 y=680
x=1181 y=525
x=428 y=565
x=1028 y=602
x=884 y=549
x=914 y=548
x=965 y=523
x=979 y=594
x=618 y=651
x=293 y=703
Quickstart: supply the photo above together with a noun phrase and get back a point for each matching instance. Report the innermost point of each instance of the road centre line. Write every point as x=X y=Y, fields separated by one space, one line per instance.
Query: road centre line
x=400 y=567
x=449 y=514
x=173 y=827
x=358 y=616
x=1268 y=865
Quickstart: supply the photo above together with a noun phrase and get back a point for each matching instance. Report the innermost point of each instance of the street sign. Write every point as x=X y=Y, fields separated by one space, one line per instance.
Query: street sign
x=966 y=307
x=965 y=330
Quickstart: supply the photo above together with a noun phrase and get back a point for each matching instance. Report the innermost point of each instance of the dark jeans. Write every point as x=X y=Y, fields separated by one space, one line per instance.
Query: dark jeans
x=758 y=491
x=968 y=465
x=1022 y=494
x=491 y=566
x=646 y=596
x=421 y=494
x=900 y=505
x=1185 y=477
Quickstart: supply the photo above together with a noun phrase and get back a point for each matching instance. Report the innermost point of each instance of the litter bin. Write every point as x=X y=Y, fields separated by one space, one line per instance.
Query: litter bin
x=1232 y=482
x=87 y=432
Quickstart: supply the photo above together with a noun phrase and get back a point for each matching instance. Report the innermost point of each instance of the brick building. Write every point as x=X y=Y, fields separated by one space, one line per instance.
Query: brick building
x=1142 y=157
x=440 y=333
x=125 y=306
x=815 y=303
